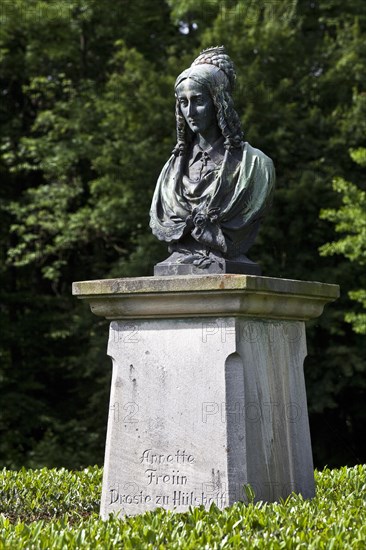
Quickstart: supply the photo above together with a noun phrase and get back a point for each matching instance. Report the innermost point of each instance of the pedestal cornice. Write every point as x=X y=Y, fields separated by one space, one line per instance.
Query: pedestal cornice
x=206 y=296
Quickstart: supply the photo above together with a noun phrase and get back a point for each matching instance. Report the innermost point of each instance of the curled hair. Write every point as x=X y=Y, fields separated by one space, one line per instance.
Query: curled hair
x=228 y=119
x=184 y=133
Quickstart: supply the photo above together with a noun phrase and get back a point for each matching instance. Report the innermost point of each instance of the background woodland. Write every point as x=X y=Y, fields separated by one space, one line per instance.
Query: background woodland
x=87 y=122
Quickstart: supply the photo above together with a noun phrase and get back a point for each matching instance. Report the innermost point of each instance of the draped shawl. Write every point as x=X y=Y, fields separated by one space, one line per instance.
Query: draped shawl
x=231 y=207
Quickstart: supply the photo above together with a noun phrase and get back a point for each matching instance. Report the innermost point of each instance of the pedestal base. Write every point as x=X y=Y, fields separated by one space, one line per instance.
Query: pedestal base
x=238 y=266
x=208 y=391
x=200 y=408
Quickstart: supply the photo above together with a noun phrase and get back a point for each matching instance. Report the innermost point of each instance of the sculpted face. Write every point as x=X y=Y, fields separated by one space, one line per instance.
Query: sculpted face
x=197 y=106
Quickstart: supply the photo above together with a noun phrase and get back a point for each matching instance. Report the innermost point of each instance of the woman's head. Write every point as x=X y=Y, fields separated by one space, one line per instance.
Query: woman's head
x=213 y=74
x=196 y=105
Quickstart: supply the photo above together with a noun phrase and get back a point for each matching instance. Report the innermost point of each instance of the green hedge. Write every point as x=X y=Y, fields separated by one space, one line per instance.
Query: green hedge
x=58 y=509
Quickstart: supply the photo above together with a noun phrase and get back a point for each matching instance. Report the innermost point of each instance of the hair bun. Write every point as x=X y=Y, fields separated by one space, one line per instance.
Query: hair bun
x=217 y=56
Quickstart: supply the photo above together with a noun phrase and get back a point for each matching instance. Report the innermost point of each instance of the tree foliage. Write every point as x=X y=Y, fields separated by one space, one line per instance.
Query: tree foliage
x=350 y=222
x=87 y=121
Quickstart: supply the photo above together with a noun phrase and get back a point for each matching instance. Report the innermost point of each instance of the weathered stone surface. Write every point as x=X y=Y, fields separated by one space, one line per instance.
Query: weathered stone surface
x=203 y=403
x=222 y=403
x=206 y=296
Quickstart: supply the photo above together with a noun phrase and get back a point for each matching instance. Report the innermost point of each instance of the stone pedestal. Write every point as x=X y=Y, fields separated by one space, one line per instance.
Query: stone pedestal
x=208 y=390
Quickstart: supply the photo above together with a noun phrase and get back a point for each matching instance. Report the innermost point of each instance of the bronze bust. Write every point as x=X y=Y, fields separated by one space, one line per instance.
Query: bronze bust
x=214 y=190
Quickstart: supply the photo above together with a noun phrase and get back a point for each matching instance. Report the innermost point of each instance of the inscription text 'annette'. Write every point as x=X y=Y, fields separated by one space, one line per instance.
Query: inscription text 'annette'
x=179 y=457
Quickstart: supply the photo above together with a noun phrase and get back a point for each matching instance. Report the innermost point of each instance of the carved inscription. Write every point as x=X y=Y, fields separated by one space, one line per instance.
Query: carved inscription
x=179 y=457
x=167 y=474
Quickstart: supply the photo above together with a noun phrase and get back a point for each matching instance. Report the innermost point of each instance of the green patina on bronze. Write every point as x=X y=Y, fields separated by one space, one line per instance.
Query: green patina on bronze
x=215 y=189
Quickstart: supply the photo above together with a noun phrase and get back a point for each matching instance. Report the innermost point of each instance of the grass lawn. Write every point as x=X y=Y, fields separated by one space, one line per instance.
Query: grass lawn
x=58 y=509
